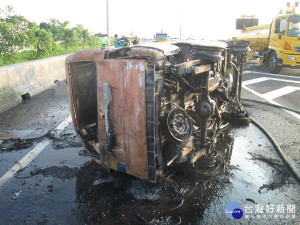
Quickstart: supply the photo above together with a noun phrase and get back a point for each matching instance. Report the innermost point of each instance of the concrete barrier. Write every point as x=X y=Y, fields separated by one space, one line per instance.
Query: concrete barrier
x=29 y=77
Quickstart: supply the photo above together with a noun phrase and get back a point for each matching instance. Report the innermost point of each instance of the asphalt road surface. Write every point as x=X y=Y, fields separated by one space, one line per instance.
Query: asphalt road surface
x=279 y=89
x=45 y=178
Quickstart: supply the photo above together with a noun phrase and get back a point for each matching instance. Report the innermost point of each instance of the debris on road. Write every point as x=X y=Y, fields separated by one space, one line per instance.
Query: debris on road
x=63 y=172
x=50 y=187
x=19 y=139
x=16 y=195
x=23 y=134
x=25 y=96
x=15 y=144
x=56 y=82
x=64 y=140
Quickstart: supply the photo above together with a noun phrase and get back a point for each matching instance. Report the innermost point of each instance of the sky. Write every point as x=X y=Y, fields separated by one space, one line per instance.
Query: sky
x=200 y=19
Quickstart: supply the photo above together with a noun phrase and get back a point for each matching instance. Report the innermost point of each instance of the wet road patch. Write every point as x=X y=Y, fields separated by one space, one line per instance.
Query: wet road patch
x=62 y=172
x=56 y=191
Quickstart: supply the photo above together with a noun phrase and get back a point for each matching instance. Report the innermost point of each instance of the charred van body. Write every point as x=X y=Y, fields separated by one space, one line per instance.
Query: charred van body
x=136 y=108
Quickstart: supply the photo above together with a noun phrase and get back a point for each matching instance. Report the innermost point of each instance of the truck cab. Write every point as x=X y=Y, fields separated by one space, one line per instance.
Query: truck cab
x=284 y=42
x=161 y=37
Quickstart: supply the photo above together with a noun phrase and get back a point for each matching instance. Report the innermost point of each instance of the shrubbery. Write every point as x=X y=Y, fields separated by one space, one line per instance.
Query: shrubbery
x=22 y=40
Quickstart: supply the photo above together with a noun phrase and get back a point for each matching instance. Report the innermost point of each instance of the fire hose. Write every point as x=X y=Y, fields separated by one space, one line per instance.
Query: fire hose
x=276 y=146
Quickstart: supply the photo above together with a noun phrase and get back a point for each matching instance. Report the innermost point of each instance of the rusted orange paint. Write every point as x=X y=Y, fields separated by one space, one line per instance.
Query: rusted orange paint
x=90 y=55
x=126 y=79
x=127 y=110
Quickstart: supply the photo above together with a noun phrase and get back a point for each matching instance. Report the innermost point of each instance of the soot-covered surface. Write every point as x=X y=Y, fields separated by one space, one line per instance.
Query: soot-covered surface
x=64 y=188
x=61 y=186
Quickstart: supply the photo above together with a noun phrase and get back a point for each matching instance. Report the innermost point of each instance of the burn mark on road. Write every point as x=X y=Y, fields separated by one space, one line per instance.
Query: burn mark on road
x=15 y=144
x=61 y=172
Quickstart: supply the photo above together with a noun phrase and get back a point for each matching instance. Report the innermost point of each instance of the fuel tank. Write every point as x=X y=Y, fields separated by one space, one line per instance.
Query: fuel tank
x=258 y=36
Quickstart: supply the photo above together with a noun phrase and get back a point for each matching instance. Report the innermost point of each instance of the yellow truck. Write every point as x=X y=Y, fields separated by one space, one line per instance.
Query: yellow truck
x=276 y=44
x=161 y=37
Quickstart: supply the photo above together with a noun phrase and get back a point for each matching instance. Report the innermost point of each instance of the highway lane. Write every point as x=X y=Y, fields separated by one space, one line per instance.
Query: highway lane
x=280 y=89
x=62 y=186
x=275 y=88
x=43 y=113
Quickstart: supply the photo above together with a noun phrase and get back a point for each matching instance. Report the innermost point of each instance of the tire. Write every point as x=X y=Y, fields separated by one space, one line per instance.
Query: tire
x=273 y=63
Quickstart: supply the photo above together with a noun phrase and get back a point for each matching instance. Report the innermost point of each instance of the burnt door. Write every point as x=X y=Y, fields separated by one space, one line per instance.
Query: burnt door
x=121 y=98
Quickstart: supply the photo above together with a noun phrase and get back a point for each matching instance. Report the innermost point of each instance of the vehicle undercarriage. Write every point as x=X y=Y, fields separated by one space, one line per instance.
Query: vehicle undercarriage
x=138 y=109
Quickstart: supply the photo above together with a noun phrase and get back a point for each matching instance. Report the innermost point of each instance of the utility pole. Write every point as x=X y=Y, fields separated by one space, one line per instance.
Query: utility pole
x=107 y=21
x=180 y=23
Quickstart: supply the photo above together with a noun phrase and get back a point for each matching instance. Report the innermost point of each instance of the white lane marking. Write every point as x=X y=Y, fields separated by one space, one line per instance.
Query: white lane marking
x=280 y=92
x=270 y=101
x=271 y=74
x=256 y=80
x=33 y=153
x=262 y=79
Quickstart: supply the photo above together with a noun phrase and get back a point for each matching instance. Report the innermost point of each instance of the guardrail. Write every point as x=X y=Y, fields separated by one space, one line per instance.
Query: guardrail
x=29 y=77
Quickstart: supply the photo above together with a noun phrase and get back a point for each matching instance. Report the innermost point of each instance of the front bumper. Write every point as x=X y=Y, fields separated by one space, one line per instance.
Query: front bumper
x=291 y=60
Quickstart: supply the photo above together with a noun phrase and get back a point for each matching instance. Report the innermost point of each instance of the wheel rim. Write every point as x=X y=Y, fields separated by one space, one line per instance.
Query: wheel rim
x=179 y=126
x=272 y=62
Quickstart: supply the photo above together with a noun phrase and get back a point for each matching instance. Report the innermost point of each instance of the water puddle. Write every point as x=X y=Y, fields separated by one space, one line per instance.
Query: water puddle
x=248 y=172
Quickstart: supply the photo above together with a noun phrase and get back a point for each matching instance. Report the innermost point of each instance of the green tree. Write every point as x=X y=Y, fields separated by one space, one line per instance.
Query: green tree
x=83 y=35
x=41 y=42
x=69 y=38
x=45 y=25
x=58 y=28
x=13 y=34
x=7 y=42
x=94 y=41
x=99 y=34
x=64 y=35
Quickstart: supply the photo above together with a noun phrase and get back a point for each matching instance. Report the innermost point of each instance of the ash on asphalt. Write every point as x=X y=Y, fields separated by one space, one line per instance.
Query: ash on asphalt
x=64 y=140
x=75 y=190
x=62 y=187
x=40 y=113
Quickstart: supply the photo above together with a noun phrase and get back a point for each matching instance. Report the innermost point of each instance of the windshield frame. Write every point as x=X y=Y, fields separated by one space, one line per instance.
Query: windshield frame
x=290 y=31
x=161 y=36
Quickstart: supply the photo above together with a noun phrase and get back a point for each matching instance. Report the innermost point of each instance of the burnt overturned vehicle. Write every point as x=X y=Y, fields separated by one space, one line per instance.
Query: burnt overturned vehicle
x=137 y=108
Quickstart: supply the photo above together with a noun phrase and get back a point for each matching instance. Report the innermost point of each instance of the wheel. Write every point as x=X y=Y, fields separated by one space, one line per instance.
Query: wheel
x=273 y=63
x=177 y=126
